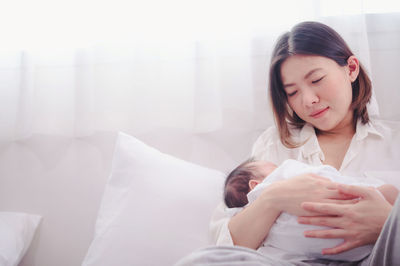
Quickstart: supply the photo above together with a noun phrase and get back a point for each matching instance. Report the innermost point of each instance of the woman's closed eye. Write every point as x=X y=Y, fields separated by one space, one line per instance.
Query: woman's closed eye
x=291 y=93
x=318 y=80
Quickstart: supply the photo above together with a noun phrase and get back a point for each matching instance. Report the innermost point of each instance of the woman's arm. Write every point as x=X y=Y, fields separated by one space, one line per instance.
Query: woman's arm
x=358 y=223
x=251 y=226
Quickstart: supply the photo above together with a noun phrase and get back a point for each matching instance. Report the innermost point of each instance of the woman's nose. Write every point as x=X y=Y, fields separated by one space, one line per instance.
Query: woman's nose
x=309 y=97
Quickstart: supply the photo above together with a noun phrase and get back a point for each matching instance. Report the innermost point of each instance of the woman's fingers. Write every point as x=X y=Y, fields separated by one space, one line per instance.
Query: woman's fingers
x=331 y=221
x=346 y=245
x=320 y=177
x=334 y=233
x=359 y=191
x=343 y=201
x=323 y=208
x=328 y=233
x=335 y=194
x=358 y=221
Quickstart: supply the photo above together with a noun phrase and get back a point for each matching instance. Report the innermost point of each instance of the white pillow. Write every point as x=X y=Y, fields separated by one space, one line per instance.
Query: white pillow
x=16 y=233
x=155 y=208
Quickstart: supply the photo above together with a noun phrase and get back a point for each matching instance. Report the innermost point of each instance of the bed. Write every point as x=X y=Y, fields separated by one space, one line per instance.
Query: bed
x=112 y=198
x=116 y=199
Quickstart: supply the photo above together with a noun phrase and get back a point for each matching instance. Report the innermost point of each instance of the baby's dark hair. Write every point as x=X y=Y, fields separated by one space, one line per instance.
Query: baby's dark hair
x=237 y=184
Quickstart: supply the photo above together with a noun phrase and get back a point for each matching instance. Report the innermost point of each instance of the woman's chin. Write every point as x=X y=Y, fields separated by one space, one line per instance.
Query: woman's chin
x=325 y=127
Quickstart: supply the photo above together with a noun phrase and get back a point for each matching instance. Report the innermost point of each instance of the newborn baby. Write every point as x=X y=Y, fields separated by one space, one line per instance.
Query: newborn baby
x=246 y=182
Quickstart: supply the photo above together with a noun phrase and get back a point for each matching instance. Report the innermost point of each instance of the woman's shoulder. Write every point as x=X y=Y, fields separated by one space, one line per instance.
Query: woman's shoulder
x=264 y=143
x=393 y=125
x=269 y=135
x=268 y=146
x=386 y=128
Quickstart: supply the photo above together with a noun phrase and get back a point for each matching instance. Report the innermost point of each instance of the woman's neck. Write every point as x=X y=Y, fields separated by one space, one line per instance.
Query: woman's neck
x=335 y=143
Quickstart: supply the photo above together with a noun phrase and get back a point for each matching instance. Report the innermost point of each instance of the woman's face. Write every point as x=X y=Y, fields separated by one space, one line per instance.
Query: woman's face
x=319 y=90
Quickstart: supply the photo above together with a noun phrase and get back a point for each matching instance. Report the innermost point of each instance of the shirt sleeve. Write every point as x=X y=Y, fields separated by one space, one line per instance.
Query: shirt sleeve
x=219 y=232
x=263 y=149
x=266 y=146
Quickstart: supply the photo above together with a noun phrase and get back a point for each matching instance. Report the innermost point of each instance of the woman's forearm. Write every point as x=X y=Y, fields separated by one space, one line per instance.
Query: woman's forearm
x=250 y=227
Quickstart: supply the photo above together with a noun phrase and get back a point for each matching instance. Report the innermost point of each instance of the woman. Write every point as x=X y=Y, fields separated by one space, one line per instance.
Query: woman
x=319 y=93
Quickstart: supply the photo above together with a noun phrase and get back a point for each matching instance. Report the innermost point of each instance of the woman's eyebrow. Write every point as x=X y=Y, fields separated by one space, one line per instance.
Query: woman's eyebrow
x=288 y=85
x=311 y=72
x=305 y=77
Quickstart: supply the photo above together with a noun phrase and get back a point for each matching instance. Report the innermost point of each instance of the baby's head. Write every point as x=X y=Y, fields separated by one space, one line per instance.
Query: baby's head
x=243 y=179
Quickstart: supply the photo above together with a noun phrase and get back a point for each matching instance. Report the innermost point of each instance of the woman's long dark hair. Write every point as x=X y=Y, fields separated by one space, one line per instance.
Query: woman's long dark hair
x=312 y=38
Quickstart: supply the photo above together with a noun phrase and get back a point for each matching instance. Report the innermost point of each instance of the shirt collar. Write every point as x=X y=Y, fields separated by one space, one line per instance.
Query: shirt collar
x=309 y=138
x=362 y=130
x=311 y=145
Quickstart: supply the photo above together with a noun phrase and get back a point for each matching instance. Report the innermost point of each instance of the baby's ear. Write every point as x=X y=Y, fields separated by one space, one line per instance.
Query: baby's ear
x=253 y=183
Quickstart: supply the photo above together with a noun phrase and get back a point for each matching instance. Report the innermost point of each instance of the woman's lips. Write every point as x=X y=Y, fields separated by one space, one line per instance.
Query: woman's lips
x=319 y=113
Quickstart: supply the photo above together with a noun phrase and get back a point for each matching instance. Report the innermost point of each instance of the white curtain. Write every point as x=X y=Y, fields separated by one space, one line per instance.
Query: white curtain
x=153 y=68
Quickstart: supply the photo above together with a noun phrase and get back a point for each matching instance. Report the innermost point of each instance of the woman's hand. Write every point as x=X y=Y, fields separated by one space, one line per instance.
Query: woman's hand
x=250 y=227
x=358 y=223
x=288 y=195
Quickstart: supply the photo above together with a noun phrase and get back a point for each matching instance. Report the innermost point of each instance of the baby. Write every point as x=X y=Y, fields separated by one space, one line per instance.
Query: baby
x=245 y=183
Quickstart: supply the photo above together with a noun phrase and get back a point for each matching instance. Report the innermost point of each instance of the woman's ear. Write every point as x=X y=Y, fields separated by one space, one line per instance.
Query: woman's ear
x=253 y=183
x=353 y=67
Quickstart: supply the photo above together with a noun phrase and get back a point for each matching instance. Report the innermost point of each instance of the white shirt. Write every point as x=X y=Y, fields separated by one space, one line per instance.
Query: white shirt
x=374 y=152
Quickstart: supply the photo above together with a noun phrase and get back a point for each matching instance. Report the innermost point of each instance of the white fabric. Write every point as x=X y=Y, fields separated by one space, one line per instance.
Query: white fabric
x=16 y=233
x=202 y=77
x=373 y=153
x=287 y=234
x=155 y=208
x=374 y=148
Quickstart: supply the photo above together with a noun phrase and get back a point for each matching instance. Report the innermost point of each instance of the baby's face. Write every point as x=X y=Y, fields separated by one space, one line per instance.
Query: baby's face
x=264 y=168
